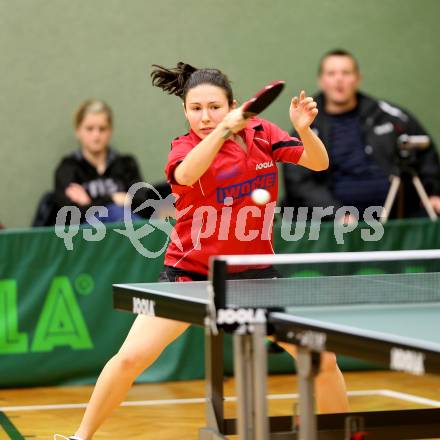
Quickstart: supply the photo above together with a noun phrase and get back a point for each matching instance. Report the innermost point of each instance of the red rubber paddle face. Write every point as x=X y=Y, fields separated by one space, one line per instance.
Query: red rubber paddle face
x=263 y=98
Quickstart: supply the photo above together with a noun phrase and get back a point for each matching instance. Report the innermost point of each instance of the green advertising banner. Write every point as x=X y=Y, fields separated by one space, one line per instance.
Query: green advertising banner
x=57 y=323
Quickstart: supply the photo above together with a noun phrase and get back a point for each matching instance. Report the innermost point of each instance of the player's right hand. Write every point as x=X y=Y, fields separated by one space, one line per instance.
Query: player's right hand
x=234 y=120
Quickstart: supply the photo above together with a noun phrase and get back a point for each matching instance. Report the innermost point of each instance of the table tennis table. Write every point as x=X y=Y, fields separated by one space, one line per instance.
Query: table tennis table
x=347 y=315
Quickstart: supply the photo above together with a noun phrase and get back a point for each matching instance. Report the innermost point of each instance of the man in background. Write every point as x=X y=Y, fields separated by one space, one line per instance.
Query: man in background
x=362 y=136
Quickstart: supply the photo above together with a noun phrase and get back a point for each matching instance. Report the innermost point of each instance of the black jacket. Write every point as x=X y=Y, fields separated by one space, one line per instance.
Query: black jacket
x=382 y=124
x=122 y=171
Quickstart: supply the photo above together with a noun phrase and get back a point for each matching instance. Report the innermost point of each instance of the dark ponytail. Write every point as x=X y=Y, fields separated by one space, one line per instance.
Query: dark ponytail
x=182 y=78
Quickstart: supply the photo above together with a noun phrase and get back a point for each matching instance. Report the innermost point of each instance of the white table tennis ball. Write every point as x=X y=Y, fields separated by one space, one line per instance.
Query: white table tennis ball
x=260 y=196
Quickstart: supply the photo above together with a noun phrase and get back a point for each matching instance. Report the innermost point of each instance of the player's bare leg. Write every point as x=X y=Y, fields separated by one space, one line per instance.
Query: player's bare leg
x=331 y=392
x=148 y=337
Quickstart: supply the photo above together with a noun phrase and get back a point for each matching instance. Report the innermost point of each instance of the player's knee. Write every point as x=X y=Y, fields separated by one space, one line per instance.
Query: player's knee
x=131 y=362
x=328 y=362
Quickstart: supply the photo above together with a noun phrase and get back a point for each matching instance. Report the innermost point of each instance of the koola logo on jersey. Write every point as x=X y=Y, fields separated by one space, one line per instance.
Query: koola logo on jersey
x=264 y=165
x=240 y=316
x=142 y=306
x=407 y=361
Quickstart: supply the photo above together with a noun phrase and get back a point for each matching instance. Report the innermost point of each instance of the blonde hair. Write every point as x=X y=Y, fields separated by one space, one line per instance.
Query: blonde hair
x=92 y=106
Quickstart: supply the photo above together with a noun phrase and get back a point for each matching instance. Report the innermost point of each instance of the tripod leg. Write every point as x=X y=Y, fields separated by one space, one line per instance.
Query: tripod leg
x=424 y=198
x=391 y=196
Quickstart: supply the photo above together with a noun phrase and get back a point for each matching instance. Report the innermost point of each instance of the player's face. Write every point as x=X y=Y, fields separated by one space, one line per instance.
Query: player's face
x=339 y=79
x=95 y=132
x=205 y=107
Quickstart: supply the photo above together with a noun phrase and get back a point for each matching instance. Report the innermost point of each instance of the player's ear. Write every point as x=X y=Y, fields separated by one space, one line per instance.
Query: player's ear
x=184 y=110
x=234 y=104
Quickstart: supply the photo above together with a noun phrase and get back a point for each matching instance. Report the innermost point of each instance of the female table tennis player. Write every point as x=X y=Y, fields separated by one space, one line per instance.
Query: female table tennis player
x=221 y=151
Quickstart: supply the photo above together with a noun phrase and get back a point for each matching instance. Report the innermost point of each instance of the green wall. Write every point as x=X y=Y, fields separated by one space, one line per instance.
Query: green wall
x=55 y=53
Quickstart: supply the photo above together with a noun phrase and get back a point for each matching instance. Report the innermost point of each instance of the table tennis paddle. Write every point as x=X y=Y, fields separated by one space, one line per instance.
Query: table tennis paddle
x=260 y=101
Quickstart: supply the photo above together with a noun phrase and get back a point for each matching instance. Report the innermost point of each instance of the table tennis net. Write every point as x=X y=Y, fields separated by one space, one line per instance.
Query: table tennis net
x=371 y=278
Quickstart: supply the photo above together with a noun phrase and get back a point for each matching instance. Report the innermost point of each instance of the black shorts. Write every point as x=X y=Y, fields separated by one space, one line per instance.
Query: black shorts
x=174 y=274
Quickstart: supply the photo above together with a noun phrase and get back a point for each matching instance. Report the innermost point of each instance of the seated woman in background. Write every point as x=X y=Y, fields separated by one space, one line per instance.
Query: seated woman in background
x=96 y=174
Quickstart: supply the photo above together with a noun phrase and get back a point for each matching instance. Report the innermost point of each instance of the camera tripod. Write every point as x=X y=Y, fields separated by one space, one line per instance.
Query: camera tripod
x=406 y=166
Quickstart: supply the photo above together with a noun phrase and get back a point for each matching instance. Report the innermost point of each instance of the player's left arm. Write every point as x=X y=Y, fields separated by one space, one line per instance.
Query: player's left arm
x=302 y=112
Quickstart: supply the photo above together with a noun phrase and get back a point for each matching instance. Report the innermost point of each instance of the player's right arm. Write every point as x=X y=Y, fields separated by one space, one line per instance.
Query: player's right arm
x=199 y=159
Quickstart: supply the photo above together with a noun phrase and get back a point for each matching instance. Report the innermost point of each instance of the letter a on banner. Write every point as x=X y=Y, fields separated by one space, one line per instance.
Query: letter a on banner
x=61 y=321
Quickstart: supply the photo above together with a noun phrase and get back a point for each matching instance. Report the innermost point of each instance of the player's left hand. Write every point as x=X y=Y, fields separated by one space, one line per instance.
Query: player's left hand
x=435 y=203
x=303 y=111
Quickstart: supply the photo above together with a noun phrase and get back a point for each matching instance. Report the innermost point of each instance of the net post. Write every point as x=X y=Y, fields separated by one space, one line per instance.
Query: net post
x=218 y=279
x=214 y=353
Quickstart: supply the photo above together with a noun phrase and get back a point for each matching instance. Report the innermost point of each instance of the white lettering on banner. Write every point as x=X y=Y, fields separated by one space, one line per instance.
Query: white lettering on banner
x=142 y=306
x=407 y=361
x=264 y=165
x=240 y=316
